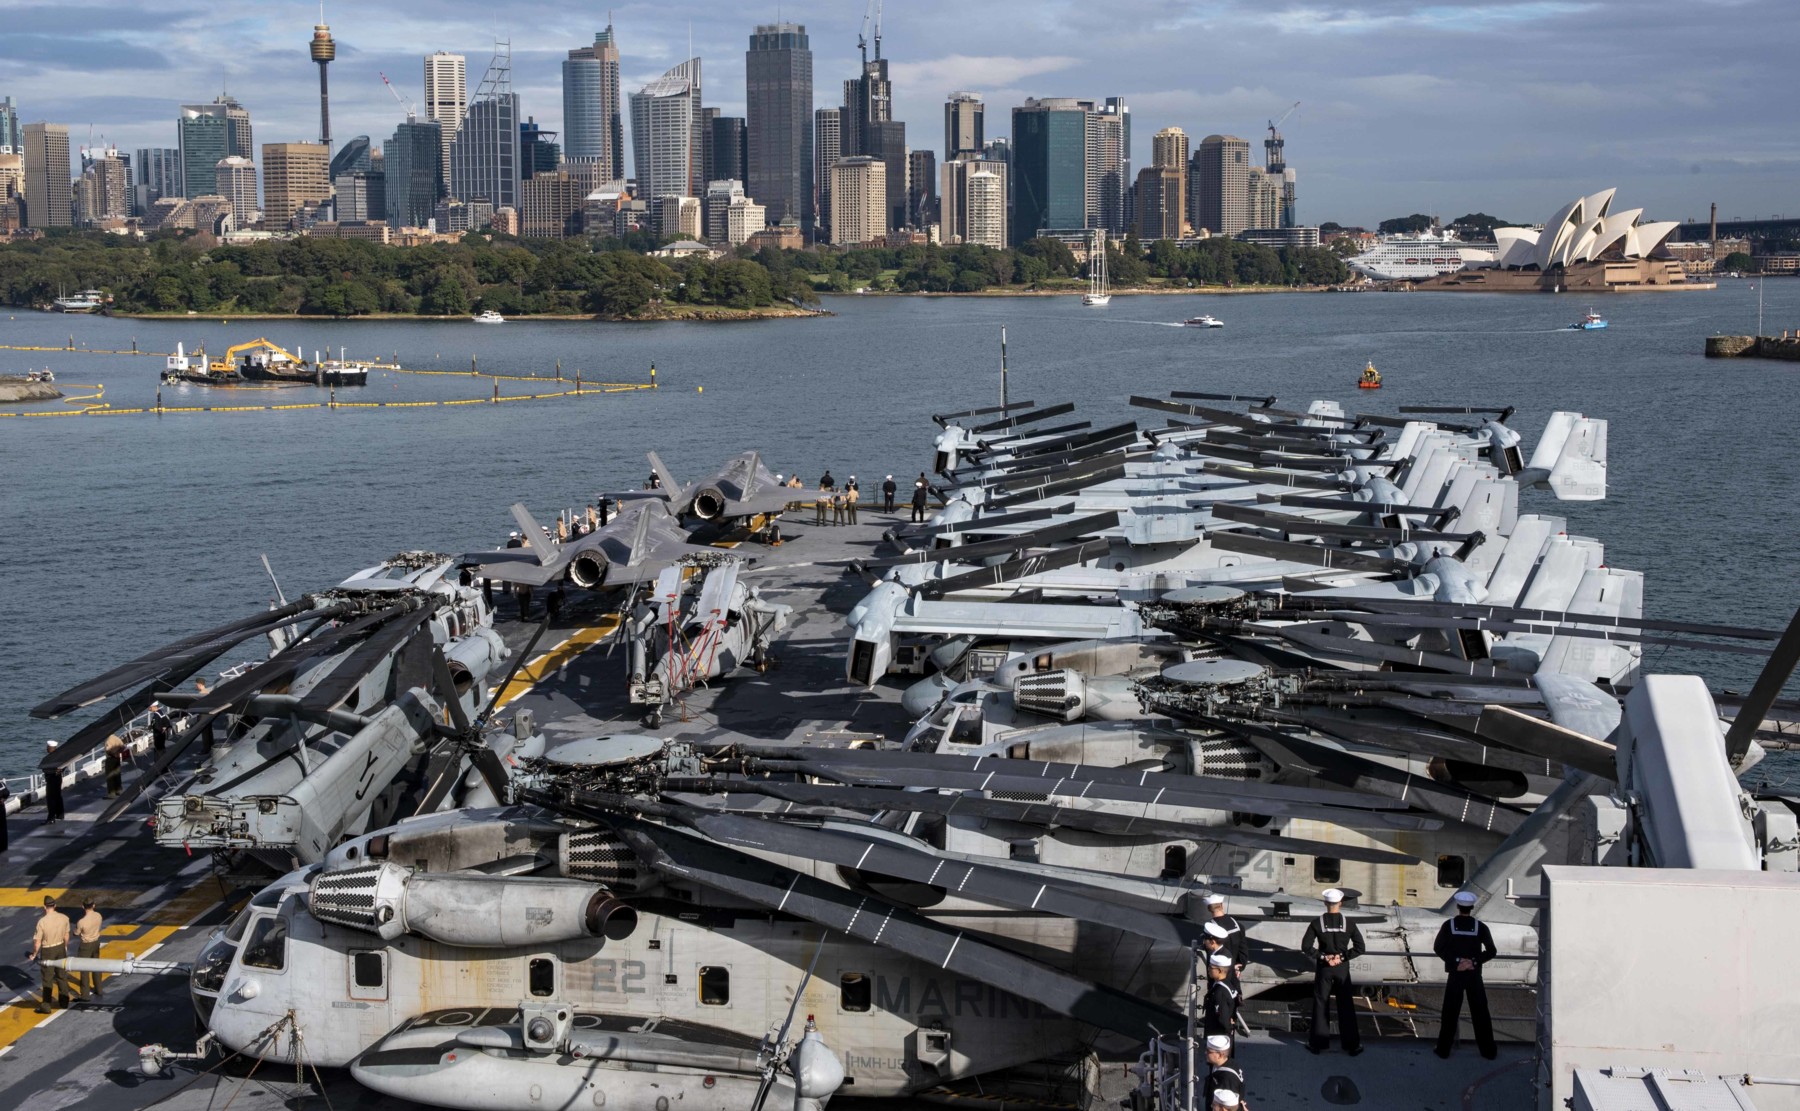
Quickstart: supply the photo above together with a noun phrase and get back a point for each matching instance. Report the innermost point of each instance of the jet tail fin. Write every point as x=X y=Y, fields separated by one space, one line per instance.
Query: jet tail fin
x=750 y=483
x=640 y=530
x=662 y=474
x=543 y=545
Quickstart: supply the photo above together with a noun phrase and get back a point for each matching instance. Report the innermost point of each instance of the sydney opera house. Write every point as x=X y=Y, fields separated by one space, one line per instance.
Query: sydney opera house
x=1586 y=247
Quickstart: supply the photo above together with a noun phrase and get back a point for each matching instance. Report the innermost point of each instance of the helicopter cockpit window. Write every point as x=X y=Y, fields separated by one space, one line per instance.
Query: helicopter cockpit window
x=267 y=947
x=235 y=932
x=967 y=728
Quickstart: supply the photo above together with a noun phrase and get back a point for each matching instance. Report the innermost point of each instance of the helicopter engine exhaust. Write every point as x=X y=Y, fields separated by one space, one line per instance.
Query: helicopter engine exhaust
x=470 y=910
x=587 y=571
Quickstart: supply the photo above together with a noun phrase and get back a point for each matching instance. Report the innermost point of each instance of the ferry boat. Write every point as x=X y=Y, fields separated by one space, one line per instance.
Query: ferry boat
x=1404 y=258
x=88 y=300
x=488 y=316
x=1203 y=321
x=1592 y=322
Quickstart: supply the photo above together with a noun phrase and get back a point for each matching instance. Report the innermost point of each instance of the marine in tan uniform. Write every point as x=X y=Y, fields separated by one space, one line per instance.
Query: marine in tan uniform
x=51 y=943
x=87 y=944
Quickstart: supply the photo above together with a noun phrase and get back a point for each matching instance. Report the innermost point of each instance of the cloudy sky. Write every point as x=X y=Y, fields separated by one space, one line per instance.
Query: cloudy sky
x=1440 y=106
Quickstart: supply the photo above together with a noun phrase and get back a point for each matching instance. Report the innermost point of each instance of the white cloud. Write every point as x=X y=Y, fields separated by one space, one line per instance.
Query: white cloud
x=954 y=72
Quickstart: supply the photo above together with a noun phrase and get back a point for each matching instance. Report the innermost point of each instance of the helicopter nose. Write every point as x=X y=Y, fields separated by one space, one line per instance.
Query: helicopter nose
x=244 y=990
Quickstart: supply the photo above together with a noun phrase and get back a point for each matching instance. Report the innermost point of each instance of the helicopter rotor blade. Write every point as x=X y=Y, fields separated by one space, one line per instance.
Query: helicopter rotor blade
x=1763 y=693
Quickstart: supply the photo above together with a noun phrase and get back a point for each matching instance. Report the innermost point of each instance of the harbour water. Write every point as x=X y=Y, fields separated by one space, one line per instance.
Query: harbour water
x=126 y=532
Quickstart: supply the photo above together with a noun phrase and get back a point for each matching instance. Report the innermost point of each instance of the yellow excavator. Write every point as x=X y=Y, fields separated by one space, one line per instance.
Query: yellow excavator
x=263 y=360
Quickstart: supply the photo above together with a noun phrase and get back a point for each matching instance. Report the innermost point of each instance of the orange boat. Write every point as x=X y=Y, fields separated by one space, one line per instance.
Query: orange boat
x=1370 y=380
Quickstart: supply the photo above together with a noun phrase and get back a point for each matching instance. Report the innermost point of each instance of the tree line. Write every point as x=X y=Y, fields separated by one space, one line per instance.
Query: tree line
x=317 y=276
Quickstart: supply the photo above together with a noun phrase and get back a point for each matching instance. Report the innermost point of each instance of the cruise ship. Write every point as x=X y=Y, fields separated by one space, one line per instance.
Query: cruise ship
x=1405 y=258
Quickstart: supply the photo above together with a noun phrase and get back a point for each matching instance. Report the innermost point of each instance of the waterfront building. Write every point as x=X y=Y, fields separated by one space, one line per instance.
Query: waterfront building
x=1108 y=169
x=1281 y=237
x=11 y=138
x=665 y=137
x=974 y=203
x=294 y=175
x=921 y=189
x=236 y=177
x=361 y=197
x=859 y=210
x=552 y=204
x=593 y=126
x=1582 y=231
x=827 y=149
x=49 y=199
x=1262 y=199
x=484 y=156
x=963 y=126
x=779 y=104
x=1048 y=171
x=716 y=205
x=414 y=173
x=1220 y=182
x=155 y=173
x=539 y=153
x=446 y=102
x=678 y=216
x=744 y=218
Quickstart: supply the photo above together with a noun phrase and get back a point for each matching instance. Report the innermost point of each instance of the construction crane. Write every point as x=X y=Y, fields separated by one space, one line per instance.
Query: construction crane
x=871 y=13
x=1273 y=159
x=411 y=113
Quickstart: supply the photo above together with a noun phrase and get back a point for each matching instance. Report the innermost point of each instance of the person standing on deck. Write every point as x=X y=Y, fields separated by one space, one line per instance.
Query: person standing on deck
x=888 y=489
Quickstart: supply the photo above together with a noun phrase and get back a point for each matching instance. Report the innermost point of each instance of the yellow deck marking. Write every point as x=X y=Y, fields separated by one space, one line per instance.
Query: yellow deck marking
x=556 y=658
x=71 y=896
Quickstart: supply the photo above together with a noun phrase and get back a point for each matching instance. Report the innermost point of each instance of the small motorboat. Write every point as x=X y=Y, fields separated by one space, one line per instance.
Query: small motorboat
x=489 y=316
x=1592 y=322
x=1203 y=321
x=1370 y=380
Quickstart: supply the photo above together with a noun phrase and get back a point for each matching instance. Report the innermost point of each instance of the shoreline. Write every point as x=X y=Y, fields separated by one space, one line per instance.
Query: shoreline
x=701 y=313
x=1134 y=291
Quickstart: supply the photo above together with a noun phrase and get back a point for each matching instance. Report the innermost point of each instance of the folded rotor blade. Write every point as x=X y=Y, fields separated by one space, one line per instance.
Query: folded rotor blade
x=1509 y=728
x=518 y=662
x=1764 y=692
x=284 y=664
x=172 y=752
x=1014 y=421
x=945 y=418
x=331 y=691
x=1194 y=395
x=1060 y=486
x=446 y=691
x=1290 y=524
x=1289 y=551
x=1037 y=538
x=977 y=524
x=190 y=652
x=1022 y=567
x=1275 y=478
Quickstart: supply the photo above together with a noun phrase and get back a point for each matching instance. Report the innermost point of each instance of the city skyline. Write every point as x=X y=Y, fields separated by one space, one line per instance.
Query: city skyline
x=1404 y=106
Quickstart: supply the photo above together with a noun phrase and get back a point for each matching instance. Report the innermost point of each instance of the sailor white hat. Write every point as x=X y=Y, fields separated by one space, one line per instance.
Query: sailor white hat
x=1215 y=900
x=1213 y=929
x=1465 y=898
x=1219 y=960
x=513 y=533
x=1218 y=1041
x=1332 y=895
x=1225 y=1097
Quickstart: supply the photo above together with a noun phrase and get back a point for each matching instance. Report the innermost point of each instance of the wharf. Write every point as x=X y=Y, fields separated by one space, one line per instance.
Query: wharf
x=1784 y=346
x=85 y=1059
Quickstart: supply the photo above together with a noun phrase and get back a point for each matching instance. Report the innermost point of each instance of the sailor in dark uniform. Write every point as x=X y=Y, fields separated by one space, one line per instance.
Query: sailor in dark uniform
x=1225 y=1100
x=1238 y=940
x=1464 y=944
x=1218 y=1012
x=1221 y=1074
x=1215 y=939
x=1333 y=941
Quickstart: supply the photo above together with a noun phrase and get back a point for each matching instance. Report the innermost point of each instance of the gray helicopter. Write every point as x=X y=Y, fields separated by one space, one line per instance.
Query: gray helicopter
x=687 y=630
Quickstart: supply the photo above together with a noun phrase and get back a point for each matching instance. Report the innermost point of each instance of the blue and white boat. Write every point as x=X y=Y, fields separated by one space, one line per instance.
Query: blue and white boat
x=1592 y=322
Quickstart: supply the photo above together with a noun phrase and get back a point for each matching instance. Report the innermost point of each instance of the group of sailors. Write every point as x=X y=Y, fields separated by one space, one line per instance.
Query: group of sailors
x=1332 y=942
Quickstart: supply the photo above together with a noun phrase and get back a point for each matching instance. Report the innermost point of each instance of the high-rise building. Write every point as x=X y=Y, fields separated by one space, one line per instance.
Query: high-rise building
x=1108 y=164
x=593 y=130
x=49 y=200
x=827 y=149
x=1049 y=167
x=1168 y=151
x=665 y=116
x=1262 y=199
x=963 y=126
x=156 y=173
x=743 y=219
x=868 y=100
x=205 y=133
x=323 y=50
x=779 y=104
x=415 y=174
x=102 y=196
x=11 y=138
x=1219 y=182
x=1161 y=202
x=446 y=103
x=539 y=153
x=859 y=194
x=236 y=178
x=921 y=188
x=12 y=175
x=728 y=148
x=678 y=216
x=354 y=155
x=484 y=156
x=361 y=197
x=553 y=202
x=294 y=175
x=886 y=140
x=973 y=203
x=1275 y=164
x=715 y=207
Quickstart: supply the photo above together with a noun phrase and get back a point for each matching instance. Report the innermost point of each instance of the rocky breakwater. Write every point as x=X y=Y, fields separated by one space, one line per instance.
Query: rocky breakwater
x=16 y=389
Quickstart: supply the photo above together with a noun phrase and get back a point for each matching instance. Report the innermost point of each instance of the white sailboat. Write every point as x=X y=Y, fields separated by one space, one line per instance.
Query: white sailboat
x=1098 y=292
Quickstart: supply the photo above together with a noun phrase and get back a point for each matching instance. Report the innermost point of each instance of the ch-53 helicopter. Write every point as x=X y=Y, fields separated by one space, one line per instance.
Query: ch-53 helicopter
x=372 y=704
